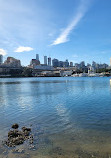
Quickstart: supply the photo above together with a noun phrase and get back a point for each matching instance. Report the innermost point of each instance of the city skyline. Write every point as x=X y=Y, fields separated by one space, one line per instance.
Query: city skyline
x=75 y=29
x=47 y=60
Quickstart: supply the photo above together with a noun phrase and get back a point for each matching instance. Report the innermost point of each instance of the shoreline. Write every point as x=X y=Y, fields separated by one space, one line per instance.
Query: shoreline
x=51 y=76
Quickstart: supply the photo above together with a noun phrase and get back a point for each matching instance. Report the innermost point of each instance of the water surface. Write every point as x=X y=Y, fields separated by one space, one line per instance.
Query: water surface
x=70 y=117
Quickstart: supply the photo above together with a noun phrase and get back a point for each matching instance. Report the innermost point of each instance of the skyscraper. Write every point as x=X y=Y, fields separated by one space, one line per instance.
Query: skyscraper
x=1 y=59
x=37 y=56
x=82 y=64
x=55 y=62
x=71 y=64
x=66 y=63
x=45 y=60
x=49 y=61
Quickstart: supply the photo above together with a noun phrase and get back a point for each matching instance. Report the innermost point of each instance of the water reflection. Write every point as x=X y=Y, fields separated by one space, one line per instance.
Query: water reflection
x=64 y=116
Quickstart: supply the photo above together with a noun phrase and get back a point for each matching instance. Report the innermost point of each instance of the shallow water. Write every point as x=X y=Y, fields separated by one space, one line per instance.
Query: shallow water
x=70 y=117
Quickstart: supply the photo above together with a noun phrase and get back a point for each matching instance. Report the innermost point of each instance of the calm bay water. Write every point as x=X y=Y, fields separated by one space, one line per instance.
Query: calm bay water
x=70 y=117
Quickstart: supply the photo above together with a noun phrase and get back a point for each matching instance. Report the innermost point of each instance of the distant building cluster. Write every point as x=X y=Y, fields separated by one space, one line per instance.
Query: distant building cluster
x=12 y=62
x=93 y=66
x=65 y=64
x=50 y=67
x=50 y=62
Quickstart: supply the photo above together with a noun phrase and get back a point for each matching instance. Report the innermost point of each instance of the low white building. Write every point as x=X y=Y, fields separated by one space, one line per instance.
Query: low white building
x=66 y=73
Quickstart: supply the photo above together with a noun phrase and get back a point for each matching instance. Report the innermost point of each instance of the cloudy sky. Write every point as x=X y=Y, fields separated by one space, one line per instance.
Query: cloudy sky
x=65 y=29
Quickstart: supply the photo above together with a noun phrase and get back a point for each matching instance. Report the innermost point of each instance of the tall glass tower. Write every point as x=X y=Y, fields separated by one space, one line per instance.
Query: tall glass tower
x=49 y=61
x=45 y=60
x=37 y=56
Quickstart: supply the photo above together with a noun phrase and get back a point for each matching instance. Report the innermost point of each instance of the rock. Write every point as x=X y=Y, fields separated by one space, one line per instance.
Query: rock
x=15 y=126
x=26 y=133
x=17 y=137
x=16 y=141
x=14 y=134
x=26 y=129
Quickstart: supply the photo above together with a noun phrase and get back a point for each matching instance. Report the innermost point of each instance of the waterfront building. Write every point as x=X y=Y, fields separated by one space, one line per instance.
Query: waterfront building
x=45 y=60
x=49 y=61
x=12 y=62
x=1 y=59
x=66 y=73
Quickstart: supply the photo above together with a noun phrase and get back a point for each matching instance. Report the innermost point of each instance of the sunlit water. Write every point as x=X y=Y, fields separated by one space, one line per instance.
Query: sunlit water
x=70 y=117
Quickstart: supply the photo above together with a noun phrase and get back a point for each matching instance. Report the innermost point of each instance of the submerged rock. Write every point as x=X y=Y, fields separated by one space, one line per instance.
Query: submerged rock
x=14 y=133
x=15 y=126
x=26 y=129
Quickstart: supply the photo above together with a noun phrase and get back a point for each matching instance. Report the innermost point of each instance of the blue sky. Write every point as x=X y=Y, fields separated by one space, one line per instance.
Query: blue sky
x=65 y=29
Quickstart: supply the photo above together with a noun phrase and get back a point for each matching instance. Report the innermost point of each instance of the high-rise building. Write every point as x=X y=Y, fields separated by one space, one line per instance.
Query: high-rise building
x=45 y=60
x=88 y=65
x=71 y=64
x=34 y=62
x=77 y=66
x=55 y=62
x=49 y=61
x=66 y=63
x=61 y=63
x=1 y=59
x=37 y=56
x=82 y=64
x=94 y=64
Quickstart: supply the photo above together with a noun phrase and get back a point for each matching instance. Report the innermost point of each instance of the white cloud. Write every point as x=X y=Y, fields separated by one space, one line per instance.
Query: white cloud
x=23 y=49
x=63 y=37
x=2 y=52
